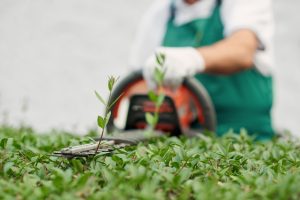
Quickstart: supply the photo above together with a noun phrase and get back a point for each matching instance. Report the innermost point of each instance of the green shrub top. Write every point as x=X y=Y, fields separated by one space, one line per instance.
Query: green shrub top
x=232 y=167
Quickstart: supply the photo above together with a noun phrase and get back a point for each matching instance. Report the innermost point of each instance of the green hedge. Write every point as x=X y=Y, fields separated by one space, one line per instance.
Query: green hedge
x=232 y=167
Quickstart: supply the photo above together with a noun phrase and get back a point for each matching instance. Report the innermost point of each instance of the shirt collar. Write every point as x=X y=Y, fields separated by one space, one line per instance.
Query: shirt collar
x=186 y=13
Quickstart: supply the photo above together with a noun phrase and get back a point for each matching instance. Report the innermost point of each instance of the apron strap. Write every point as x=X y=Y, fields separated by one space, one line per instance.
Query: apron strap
x=172 y=10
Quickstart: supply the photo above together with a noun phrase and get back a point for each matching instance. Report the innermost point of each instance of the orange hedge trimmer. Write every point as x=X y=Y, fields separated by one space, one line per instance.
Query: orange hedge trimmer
x=188 y=111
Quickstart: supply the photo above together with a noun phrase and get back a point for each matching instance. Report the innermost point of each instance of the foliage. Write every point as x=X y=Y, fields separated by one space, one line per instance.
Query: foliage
x=232 y=167
x=157 y=97
x=103 y=120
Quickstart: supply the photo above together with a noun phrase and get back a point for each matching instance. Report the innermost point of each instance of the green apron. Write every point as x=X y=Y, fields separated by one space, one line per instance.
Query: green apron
x=241 y=100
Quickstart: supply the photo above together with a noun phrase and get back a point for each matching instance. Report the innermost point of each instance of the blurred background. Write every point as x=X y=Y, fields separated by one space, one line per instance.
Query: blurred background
x=54 y=54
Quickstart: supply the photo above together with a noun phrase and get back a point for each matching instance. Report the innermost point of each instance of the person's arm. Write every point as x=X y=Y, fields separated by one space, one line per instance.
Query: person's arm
x=232 y=54
x=247 y=42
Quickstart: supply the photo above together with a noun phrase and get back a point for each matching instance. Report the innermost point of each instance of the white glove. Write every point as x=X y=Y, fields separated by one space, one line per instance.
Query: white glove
x=179 y=63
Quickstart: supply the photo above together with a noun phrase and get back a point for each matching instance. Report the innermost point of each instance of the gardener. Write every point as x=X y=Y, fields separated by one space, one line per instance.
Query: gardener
x=226 y=45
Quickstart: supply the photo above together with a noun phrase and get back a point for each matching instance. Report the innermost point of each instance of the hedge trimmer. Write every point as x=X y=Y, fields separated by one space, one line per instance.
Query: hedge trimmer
x=188 y=111
x=131 y=109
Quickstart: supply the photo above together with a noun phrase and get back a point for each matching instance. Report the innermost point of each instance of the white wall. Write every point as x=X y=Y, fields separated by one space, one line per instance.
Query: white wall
x=54 y=54
x=287 y=109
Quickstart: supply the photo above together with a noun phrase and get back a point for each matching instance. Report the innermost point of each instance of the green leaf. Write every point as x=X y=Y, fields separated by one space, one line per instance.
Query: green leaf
x=82 y=180
x=7 y=167
x=115 y=101
x=111 y=82
x=152 y=96
x=162 y=75
x=101 y=122
x=150 y=119
x=3 y=142
x=100 y=98
x=160 y=58
x=107 y=118
x=161 y=99
x=158 y=77
x=6 y=143
x=77 y=165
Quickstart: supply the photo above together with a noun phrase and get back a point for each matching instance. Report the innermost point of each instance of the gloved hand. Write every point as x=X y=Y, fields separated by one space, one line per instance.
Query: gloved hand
x=179 y=63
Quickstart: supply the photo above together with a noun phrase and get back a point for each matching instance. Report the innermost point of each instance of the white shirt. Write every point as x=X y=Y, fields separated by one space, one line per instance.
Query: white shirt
x=255 y=15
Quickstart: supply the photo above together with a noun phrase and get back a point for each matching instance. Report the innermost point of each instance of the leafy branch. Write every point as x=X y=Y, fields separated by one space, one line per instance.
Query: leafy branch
x=157 y=97
x=103 y=120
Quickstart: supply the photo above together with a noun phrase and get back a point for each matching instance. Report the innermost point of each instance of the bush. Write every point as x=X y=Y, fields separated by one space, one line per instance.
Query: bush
x=232 y=167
